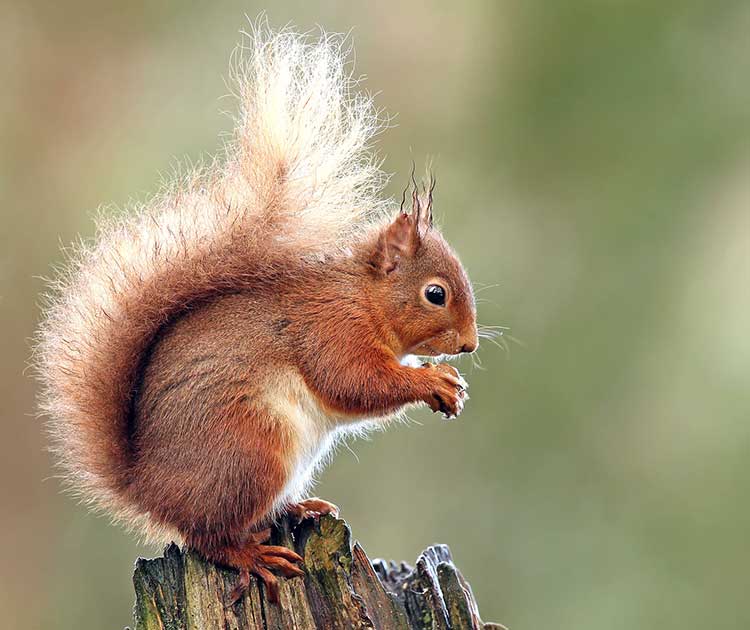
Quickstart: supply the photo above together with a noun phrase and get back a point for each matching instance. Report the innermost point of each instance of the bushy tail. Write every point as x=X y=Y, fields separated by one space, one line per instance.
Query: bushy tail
x=298 y=174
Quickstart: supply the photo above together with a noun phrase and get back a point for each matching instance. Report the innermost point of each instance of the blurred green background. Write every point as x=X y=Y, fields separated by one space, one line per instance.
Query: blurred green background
x=592 y=162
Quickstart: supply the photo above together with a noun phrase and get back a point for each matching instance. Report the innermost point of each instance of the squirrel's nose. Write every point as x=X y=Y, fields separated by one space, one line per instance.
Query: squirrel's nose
x=469 y=347
x=470 y=344
x=469 y=341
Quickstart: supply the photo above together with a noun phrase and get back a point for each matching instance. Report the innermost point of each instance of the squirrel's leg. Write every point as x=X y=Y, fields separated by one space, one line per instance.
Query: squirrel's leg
x=235 y=499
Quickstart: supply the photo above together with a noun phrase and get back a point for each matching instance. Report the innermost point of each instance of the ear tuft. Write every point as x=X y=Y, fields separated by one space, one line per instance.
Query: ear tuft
x=421 y=201
x=403 y=236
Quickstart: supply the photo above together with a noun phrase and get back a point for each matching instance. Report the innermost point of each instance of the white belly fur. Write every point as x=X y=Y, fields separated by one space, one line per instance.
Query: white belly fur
x=317 y=431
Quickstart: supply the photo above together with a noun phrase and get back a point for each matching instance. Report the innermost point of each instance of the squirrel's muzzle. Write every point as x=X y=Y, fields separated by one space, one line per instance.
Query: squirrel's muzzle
x=469 y=342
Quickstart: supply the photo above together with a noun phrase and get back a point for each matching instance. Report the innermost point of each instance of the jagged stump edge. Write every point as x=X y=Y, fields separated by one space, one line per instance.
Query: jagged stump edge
x=341 y=589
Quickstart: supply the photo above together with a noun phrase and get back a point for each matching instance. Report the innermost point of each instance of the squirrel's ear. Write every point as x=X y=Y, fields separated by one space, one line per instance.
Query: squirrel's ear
x=399 y=240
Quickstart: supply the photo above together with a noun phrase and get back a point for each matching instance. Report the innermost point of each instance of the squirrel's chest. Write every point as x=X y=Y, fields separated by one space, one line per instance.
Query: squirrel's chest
x=313 y=430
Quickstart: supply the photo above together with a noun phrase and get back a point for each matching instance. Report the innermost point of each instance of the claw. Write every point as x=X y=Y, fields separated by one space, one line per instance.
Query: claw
x=257 y=559
x=243 y=584
x=287 y=569
x=270 y=552
x=462 y=383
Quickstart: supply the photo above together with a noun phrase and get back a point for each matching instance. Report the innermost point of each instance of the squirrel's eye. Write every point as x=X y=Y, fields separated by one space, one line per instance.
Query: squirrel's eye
x=435 y=294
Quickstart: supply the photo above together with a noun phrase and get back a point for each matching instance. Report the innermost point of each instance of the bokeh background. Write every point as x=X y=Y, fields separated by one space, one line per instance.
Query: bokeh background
x=592 y=160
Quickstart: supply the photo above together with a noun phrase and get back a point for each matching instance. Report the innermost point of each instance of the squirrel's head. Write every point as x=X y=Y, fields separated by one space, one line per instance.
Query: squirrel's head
x=422 y=288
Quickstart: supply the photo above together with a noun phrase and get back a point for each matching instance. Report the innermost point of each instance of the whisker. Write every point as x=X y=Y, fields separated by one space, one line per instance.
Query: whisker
x=489 y=327
x=476 y=361
x=485 y=287
x=499 y=341
x=490 y=334
x=484 y=300
x=515 y=340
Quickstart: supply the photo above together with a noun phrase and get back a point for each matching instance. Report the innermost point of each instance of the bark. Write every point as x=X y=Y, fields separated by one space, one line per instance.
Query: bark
x=341 y=589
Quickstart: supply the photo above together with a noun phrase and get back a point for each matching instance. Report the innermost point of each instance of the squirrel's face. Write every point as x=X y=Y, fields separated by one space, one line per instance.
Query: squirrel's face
x=423 y=289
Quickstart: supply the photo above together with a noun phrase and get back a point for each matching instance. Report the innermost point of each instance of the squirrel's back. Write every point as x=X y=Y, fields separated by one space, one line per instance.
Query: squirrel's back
x=296 y=181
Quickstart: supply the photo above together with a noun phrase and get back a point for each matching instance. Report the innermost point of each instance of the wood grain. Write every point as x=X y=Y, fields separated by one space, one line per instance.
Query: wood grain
x=341 y=590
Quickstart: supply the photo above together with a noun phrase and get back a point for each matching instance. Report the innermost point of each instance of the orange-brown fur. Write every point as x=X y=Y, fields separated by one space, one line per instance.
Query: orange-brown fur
x=208 y=459
x=204 y=355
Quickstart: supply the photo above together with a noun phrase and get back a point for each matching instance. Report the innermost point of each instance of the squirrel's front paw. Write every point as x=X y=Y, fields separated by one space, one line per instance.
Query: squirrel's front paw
x=448 y=389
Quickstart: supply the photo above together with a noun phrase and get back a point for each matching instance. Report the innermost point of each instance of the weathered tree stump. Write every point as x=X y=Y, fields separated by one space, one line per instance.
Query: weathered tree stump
x=341 y=589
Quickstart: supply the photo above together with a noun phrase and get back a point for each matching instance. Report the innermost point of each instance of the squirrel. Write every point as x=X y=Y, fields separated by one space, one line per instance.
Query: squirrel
x=202 y=356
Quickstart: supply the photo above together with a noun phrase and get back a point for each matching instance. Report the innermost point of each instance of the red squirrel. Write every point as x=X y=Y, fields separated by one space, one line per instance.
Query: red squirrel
x=202 y=356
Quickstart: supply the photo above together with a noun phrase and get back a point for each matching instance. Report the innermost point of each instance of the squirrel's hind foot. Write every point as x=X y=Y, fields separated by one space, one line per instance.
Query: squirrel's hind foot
x=258 y=559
